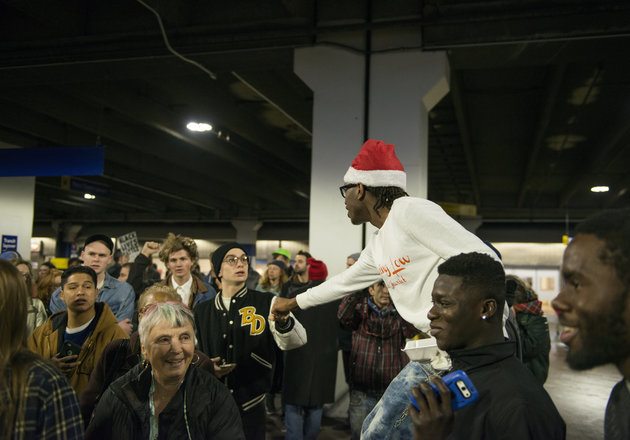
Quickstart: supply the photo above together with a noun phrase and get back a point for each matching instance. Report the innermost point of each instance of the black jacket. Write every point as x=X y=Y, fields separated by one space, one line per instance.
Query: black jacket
x=617 y=421
x=535 y=343
x=310 y=371
x=118 y=357
x=512 y=404
x=242 y=336
x=208 y=412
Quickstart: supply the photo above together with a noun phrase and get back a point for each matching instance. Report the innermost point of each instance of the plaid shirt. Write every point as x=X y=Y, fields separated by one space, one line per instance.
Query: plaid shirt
x=377 y=339
x=52 y=409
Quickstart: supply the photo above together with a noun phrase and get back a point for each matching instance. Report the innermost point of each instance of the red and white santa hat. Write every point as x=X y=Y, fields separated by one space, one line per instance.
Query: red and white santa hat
x=377 y=165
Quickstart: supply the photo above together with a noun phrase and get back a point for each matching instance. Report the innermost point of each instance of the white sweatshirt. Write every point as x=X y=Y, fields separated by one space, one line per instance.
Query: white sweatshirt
x=415 y=239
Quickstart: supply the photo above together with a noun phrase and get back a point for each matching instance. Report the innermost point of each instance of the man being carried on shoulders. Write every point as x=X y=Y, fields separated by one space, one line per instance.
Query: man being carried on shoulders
x=414 y=237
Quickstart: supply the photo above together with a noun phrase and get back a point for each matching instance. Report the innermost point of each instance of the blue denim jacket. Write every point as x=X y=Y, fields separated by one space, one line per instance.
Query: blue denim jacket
x=117 y=295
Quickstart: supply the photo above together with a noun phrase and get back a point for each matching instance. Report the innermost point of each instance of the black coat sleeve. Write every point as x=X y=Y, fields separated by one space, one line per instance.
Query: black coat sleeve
x=225 y=420
x=100 y=426
x=136 y=273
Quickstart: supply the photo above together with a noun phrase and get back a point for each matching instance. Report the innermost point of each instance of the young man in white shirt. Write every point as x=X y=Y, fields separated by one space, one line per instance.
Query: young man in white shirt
x=414 y=237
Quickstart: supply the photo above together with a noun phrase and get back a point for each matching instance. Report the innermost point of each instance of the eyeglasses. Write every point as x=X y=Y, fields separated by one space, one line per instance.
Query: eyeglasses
x=344 y=189
x=231 y=260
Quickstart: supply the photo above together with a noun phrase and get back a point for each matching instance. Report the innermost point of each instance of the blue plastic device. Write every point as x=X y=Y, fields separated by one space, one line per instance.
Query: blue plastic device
x=463 y=392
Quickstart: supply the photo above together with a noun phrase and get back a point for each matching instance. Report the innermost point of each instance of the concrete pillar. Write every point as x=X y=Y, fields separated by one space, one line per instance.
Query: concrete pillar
x=17 y=196
x=66 y=236
x=246 y=234
x=336 y=77
x=403 y=87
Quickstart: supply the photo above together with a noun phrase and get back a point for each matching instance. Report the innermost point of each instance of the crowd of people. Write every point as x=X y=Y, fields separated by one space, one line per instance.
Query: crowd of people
x=108 y=349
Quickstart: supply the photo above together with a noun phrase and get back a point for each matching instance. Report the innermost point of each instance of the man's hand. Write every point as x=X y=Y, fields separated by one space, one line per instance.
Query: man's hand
x=66 y=364
x=126 y=325
x=279 y=318
x=435 y=418
x=282 y=306
x=223 y=369
x=149 y=248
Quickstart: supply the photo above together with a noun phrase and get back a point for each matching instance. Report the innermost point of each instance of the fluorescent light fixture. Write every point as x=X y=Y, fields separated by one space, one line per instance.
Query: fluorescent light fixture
x=199 y=126
x=600 y=189
x=89 y=196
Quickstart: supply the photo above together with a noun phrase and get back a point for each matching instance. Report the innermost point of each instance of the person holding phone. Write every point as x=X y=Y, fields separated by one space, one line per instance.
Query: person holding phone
x=236 y=330
x=74 y=339
x=466 y=320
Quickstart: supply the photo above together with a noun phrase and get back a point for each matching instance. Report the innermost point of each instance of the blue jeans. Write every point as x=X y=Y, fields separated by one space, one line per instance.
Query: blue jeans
x=389 y=418
x=302 y=422
x=360 y=406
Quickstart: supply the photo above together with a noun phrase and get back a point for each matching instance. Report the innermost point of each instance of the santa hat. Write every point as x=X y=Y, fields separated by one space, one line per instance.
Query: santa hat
x=377 y=165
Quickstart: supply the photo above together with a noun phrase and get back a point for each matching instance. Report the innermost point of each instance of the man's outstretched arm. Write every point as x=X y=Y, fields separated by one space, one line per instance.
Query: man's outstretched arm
x=282 y=306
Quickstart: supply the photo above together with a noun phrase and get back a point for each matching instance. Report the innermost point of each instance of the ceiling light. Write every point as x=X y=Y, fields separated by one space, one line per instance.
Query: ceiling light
x=89 y=196
x=600 y=189
x=199 y=126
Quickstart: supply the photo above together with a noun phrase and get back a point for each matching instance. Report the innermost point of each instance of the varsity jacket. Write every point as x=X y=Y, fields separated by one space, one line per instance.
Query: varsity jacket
x=47 y=339
x=243 y=335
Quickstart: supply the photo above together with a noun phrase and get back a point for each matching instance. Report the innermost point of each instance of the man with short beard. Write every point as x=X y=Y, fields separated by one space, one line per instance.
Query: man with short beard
x=299 y=279
x=594 y=308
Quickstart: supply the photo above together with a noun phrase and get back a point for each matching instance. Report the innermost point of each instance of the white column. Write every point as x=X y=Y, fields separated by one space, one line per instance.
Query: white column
x=17 y=196
x=336 y=77
x=246 y=234
x=404 y=86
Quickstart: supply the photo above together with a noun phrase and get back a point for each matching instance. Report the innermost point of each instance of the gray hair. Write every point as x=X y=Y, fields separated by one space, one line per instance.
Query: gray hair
x=171 y=313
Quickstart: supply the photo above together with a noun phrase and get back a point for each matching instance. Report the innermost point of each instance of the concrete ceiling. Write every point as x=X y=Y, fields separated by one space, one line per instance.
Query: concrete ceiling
x=537 y=114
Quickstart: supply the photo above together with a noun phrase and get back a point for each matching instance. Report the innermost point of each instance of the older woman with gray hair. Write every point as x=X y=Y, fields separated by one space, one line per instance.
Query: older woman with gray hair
x=166 y=396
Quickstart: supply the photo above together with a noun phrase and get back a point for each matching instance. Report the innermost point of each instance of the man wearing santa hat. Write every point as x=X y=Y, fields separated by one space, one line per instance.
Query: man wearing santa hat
x=414 y=237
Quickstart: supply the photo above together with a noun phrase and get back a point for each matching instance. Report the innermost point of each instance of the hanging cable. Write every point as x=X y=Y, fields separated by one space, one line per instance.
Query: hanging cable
x=168 y=45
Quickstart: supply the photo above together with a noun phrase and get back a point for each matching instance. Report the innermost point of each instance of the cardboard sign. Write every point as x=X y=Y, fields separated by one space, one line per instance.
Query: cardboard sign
x=129 y=245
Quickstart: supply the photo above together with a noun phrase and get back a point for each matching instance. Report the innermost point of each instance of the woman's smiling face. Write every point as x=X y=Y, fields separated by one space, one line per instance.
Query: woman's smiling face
x=170 y=351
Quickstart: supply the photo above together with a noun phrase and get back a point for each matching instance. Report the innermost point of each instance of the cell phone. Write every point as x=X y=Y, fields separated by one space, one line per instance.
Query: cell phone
x=463 y=392
x=69 y=348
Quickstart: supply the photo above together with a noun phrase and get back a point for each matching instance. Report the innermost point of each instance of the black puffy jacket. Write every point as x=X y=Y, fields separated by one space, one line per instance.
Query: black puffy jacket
x=209 y=411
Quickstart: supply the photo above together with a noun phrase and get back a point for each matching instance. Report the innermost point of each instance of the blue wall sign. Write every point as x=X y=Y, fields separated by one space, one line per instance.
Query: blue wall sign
x=9 y=243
